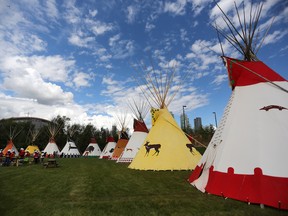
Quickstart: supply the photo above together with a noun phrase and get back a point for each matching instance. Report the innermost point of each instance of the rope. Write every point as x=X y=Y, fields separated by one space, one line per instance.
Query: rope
x=187 y=134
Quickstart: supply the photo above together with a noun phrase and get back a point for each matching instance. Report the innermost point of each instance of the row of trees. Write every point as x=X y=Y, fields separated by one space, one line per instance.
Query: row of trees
x=203 y=134
x=81 y=137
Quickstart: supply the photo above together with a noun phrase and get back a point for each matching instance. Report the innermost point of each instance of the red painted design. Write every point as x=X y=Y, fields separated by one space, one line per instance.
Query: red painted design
x=267 y=108
x=254 y=188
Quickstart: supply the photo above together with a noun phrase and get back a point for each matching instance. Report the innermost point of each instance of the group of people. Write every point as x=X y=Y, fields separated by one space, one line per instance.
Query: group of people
x=10 y=157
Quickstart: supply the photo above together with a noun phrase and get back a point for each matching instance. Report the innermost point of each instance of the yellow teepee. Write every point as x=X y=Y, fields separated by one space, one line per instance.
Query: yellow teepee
x=166 y=146
x=34 y=133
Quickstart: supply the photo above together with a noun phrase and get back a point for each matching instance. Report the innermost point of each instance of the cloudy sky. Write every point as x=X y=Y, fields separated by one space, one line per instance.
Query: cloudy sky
x=80 y=58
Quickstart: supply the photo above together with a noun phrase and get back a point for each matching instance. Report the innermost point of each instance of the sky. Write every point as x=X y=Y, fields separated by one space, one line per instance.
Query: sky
x=83 y=59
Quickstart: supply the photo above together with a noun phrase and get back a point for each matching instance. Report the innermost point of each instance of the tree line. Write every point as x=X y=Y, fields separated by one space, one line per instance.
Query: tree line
x=82 y=134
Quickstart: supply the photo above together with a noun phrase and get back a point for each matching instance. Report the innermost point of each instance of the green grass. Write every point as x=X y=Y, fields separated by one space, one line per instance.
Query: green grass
x=89 y=186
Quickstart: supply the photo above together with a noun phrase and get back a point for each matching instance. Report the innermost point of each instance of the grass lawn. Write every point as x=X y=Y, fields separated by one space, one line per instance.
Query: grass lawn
x=89 y=186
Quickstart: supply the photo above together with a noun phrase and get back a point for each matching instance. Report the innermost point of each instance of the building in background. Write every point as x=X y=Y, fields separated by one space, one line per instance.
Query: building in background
x=197 y=123
x=37 y=122
x=184 y=121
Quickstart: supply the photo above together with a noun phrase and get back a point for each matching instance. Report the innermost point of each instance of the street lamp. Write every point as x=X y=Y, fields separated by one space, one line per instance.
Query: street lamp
x=215 y=119
x=184 y=118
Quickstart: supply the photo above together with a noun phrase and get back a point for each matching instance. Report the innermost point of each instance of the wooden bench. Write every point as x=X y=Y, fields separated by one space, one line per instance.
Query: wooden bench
x=51 y=163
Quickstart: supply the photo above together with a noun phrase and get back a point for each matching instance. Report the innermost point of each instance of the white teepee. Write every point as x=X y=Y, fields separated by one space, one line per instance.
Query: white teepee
x=247 y=155
x=51 y=148
x=70 y=149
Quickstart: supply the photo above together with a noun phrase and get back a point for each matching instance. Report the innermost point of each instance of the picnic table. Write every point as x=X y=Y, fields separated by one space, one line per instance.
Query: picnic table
x=51 y=163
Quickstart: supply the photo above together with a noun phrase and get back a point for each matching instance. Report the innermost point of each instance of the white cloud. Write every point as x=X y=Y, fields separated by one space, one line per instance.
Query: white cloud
x=81 y=79
x=122 y=49
x=171 y=64
x=113 y=39
x=108 y=80
x=32 y=77
x=51 y=10
x=219 y=79
x=149 y=26
x=132 y=13
x=30 y=85
x=18 y=42
x=109 y=66
x=275 y=37
x=78 y=39
x=199 y=5
x=183 y=35
x=176 y=8
x=93 y=13
x=99 y=28
x=72 y=14
x=52 y=68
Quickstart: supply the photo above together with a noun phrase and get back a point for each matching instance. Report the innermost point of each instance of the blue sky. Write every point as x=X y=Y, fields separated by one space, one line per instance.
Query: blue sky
x=78 y=58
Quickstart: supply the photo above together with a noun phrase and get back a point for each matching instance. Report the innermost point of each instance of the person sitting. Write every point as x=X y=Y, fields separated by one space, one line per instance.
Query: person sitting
x=7 y=158
x=43 y=155
x=27 y=154
x=20 y=159
x=21 y=153
x=1 y=156
x=12 y=156
x=36 y=157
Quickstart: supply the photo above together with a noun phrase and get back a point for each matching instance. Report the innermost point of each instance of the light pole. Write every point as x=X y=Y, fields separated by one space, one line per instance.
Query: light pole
x=184 y=118
x=215 y=119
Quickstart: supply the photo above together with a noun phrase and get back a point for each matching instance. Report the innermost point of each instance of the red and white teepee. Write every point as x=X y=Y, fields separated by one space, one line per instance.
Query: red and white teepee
x=109 y=148
x=92 y=149
x=139 y=110
x=247 y=156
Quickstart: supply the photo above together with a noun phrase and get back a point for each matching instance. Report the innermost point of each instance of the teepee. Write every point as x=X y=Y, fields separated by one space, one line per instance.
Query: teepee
x=166 y=146
x=51 y=148
x=139 y=110
x=108 y=149
x=92 y=149
x=70 y=149
x=13 y=133
x=247 y=155
x=34 y=133
x=123 y=137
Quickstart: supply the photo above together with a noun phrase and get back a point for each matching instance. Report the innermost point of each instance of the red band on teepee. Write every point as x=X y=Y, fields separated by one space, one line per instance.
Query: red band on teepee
x=139 y=126
x=110 y=139
x=242 y=73
x=93 y=140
